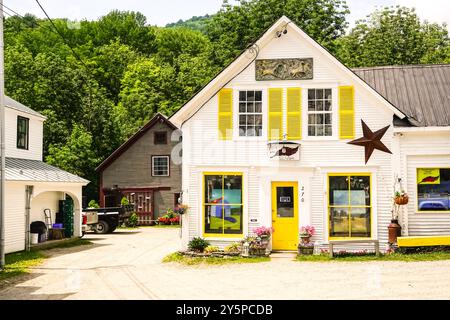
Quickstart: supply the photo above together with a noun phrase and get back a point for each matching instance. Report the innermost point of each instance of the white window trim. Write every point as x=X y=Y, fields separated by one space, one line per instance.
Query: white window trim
x=264 y=110
x=153 y=166
x=334 y=114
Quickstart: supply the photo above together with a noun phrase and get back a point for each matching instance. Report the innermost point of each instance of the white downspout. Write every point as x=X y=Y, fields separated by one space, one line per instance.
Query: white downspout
x=28 y=195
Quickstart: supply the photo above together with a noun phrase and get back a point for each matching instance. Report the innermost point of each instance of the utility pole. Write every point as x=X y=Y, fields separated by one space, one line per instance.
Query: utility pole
x=2 y=143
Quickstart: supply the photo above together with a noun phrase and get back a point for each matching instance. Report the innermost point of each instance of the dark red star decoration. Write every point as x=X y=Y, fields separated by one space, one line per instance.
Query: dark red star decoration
x=371 y=140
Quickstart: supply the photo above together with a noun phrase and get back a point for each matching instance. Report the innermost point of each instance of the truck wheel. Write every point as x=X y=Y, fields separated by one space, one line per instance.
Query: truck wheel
x=102 y=227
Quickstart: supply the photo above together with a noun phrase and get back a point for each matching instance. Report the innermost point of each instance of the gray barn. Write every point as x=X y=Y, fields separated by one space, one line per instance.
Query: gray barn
x=146 y=169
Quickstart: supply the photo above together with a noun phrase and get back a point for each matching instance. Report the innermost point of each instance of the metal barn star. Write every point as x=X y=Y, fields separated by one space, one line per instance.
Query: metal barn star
x=371 y=140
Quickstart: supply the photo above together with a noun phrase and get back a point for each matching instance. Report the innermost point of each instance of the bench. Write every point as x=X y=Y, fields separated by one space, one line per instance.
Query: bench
x=332 y=243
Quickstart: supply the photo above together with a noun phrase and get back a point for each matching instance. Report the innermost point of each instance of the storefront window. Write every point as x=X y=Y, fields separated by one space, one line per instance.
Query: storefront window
x=433 y=189
x=349 y=206
x=223 y=204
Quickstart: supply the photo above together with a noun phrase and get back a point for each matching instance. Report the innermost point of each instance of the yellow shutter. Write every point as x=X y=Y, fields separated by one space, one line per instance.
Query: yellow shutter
x=346 y=112
x=275 y=114
x=294 y=113
x=226 y=114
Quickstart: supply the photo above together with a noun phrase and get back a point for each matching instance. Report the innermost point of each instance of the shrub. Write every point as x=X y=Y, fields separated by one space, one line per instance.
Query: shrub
x=211 y=249
x=132 y=221
x=93 y=204
x=198 y=244
x=232 y=248
x=124 y=201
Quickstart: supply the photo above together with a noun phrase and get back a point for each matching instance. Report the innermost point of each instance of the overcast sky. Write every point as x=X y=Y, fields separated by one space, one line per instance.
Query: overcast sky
x=162 y=12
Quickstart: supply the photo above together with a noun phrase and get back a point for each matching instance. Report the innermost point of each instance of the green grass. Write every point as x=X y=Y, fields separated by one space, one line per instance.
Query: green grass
x=19 y=263
x=190 y=261
x=432 y=256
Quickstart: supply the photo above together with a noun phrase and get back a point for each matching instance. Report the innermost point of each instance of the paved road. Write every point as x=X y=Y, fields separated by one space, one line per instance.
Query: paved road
x=127 y=265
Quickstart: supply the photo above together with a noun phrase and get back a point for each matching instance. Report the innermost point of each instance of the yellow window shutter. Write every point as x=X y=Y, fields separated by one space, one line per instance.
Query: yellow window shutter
x=275 y=114
x=225 y=114
x=294 y=113
x=346 y=112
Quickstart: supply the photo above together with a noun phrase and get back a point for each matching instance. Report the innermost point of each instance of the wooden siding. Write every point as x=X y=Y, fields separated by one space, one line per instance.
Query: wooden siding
x=422 y=151
x=35 y=133
x=15 y=217
x=204 y=150
x=132 y=169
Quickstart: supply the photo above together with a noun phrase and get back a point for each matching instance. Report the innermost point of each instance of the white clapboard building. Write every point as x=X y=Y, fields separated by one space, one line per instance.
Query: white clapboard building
x=32 y=185
x=266 y=143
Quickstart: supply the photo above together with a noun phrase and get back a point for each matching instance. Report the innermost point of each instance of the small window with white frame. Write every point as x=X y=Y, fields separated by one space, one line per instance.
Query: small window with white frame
x=250 y=113
x=160 y=166
x=320 y=112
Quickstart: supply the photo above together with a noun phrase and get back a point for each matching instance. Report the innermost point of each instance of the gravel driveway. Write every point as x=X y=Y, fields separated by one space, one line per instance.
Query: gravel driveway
x=127 y=265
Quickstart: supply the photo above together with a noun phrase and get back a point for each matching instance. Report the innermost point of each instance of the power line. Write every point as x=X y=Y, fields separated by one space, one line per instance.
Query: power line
x=62 y=36
x=15 y=12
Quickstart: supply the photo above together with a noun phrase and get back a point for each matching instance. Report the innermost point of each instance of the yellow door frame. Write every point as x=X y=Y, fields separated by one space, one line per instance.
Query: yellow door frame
x=285 y=226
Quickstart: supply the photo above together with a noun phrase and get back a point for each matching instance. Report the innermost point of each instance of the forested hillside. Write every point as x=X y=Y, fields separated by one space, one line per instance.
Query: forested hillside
x=99 y=81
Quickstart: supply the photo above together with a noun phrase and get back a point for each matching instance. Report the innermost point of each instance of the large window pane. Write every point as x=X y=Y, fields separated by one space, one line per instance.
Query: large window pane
x=338 y=186
x=349 y=206
x=339 y=222
x=433 y=186
x=223 y=204
x=360 y=191
x=213 y=218
x=360 y=222
x=213 y=189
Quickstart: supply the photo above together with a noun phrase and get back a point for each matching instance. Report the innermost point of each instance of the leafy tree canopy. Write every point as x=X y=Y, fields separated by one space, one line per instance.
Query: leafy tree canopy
x=394 y=36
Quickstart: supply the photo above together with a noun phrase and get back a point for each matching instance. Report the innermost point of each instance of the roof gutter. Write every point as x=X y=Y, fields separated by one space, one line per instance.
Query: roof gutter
x=421 y=129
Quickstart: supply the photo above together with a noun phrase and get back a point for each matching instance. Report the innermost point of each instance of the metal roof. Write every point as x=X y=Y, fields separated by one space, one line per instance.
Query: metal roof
x=13 y=104
x=422 y=92
x=37 y=171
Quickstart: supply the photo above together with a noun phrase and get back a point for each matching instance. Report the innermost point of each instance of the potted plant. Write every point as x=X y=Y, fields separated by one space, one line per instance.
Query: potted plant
x=306 y=232
x=264 y=233
x=305 y=246
x=401 y=198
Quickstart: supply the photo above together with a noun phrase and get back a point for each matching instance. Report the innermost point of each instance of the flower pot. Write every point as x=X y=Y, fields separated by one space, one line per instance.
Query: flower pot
x=402 y=200
x=305 y=239
x=305 y=251
x=394 y=231
x=257 y=252
x=265 y=240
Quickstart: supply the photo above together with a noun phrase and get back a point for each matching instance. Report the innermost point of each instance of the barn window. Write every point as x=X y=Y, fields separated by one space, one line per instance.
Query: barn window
x=433 y=189
x=223 y=204
x=320 y=112
x=160 y=166
x=22 y=132
x=160 y=137
x=349 y=205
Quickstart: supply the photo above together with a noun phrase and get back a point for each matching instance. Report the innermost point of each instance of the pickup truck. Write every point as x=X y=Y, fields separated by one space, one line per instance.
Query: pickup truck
x=106 y=220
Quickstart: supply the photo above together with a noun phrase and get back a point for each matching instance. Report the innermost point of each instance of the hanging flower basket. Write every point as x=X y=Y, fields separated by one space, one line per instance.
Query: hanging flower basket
x=401 y=199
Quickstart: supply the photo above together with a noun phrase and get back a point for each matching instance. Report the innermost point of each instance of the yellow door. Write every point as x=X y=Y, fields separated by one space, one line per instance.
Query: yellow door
x=285 y=215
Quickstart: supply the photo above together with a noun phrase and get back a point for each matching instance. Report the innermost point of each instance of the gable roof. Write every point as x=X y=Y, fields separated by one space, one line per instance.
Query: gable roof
x=422 y=92
x=158 y=118
x=13 y=104
x=244 y=60
x=37 y=171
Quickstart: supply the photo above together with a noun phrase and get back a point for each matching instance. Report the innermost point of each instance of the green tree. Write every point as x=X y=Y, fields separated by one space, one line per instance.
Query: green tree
x=394 y=36
x=77 y=155
x=234 y=27
x=147 y=87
